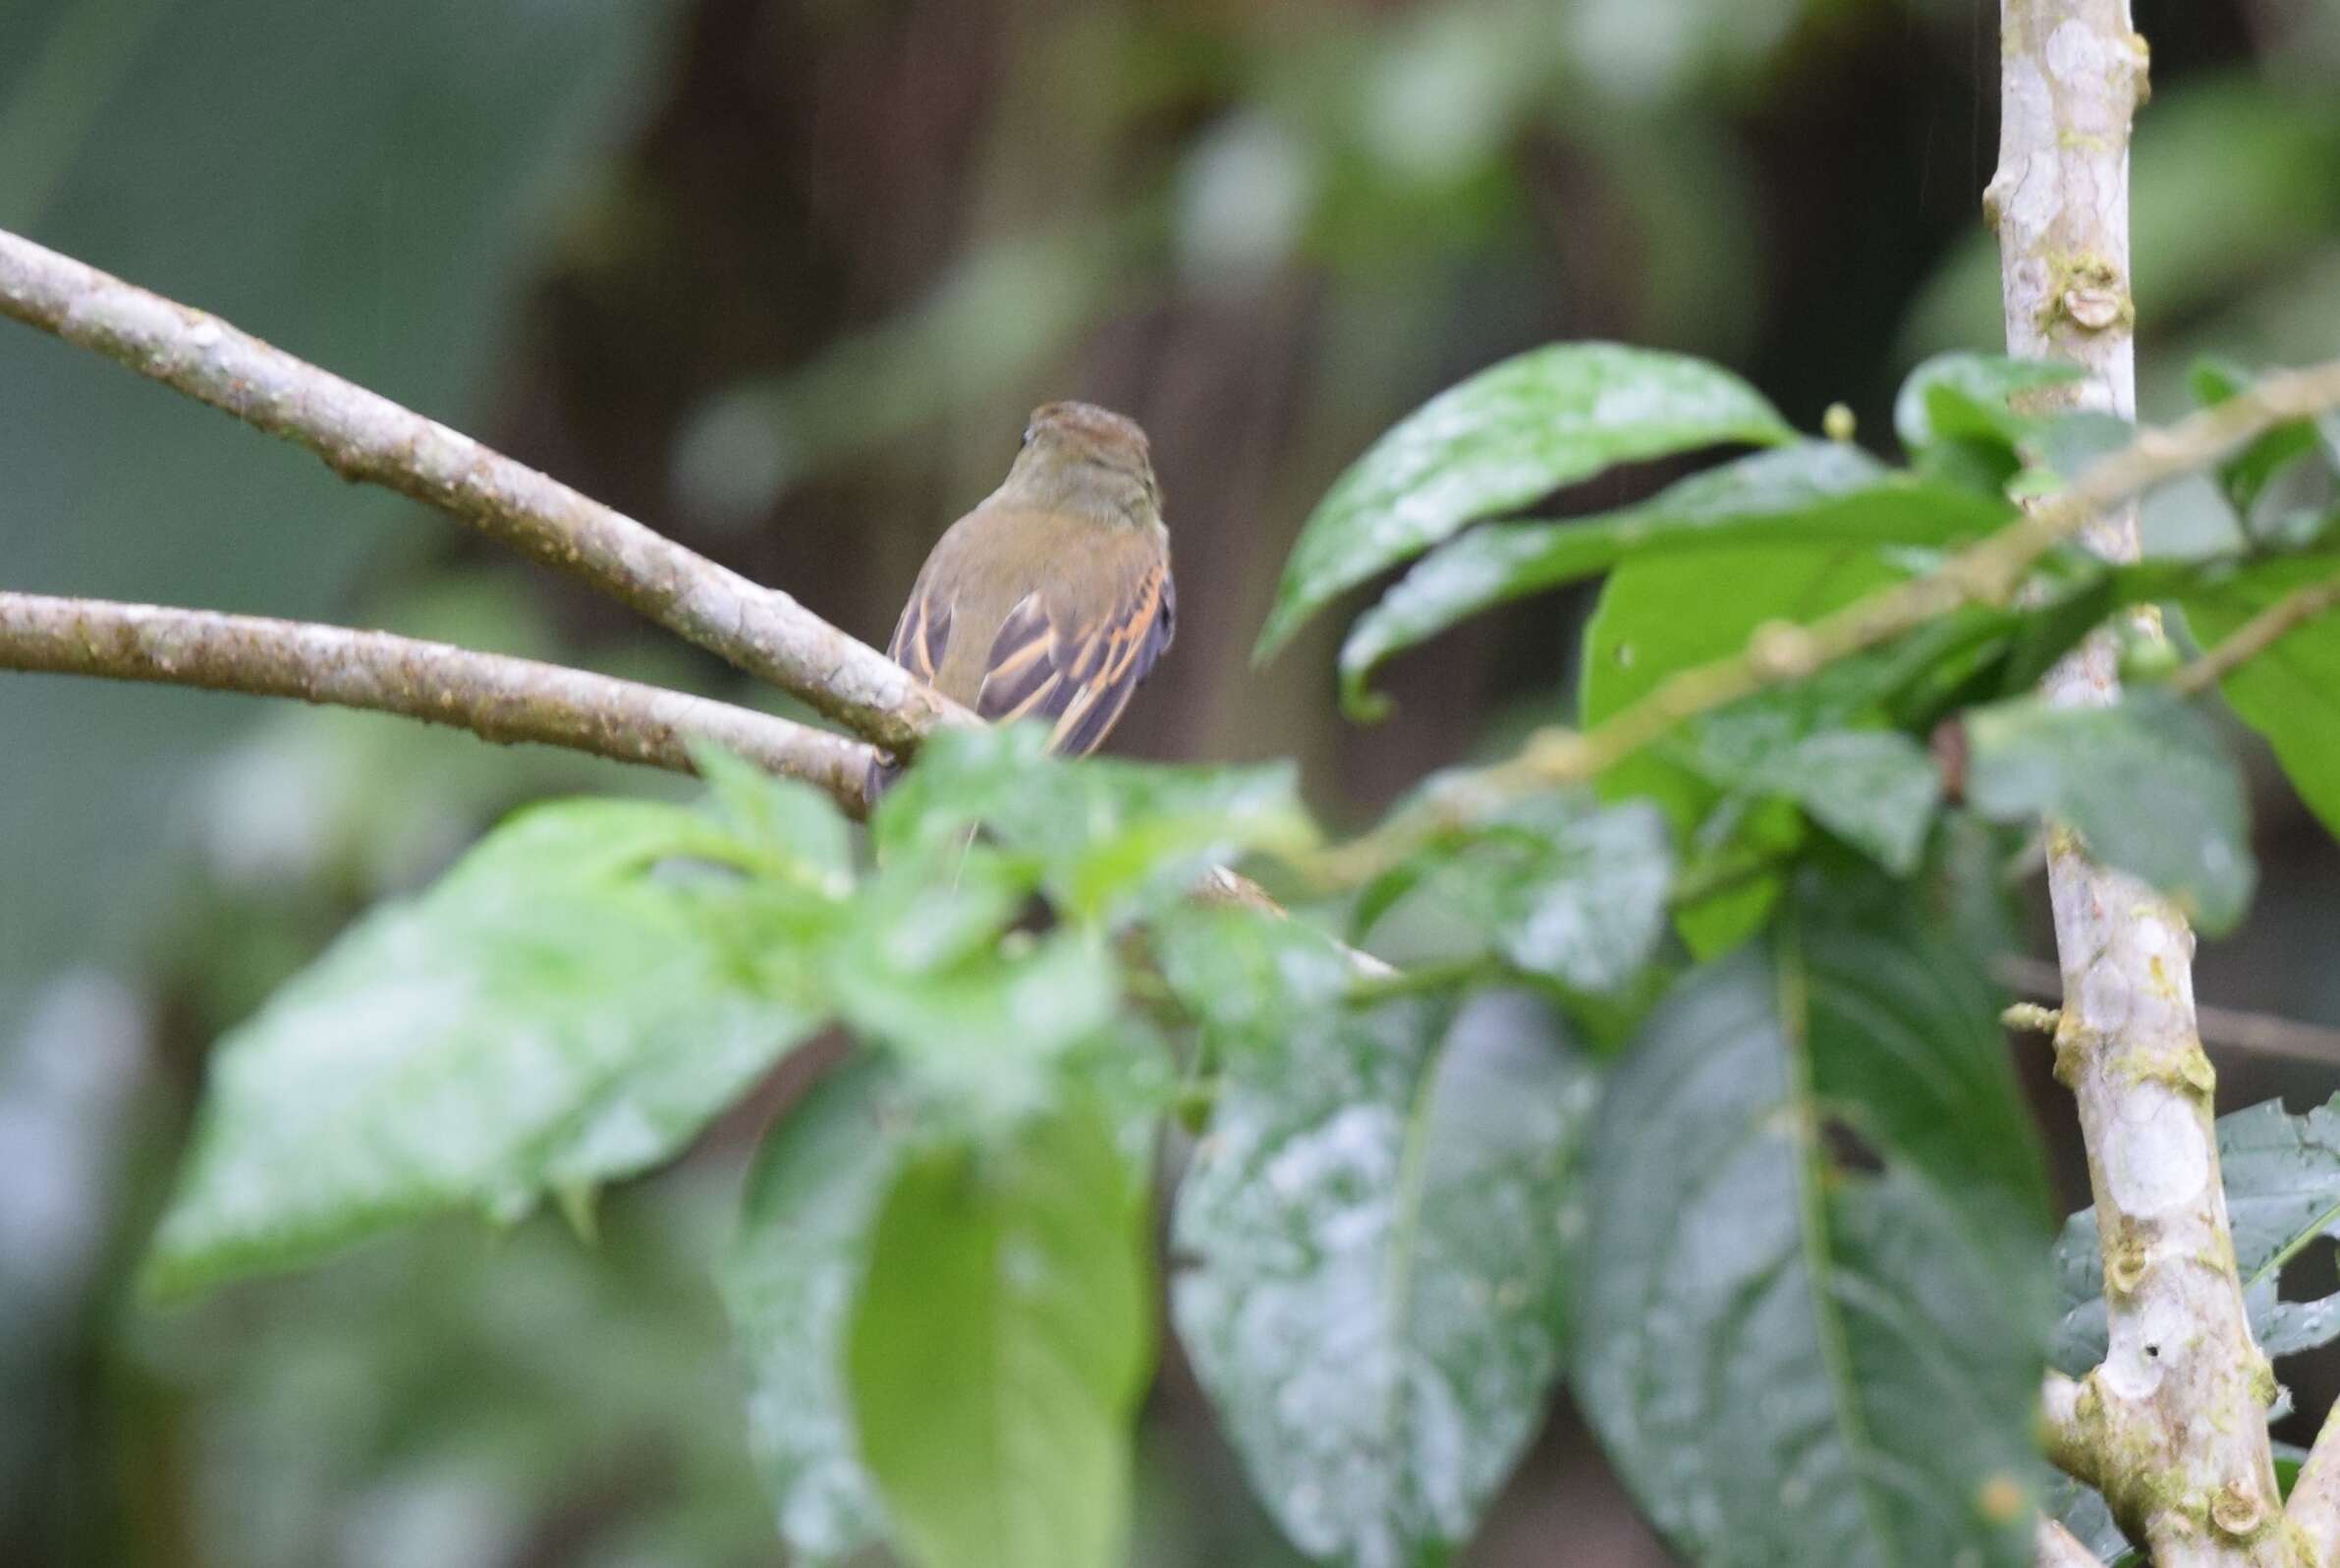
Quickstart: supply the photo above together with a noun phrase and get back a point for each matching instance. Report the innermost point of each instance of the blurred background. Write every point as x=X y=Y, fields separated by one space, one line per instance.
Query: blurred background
x=782 y=277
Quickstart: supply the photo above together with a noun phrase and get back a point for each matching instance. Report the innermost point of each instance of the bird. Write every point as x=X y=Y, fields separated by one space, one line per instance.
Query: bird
x=1051 y=600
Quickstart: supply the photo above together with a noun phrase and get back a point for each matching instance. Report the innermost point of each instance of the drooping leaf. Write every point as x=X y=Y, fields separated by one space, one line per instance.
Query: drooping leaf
x=2290 y=693
x=2144 y=782
x=1558 y=885
x=2282 y=1179
x=552 y=1014
x=1516 y=432
x=999 y=1345
x=1113 y=838
x=1814 y=491
x=789 y=1277
x=1378 y=1222
x=1814 y=1303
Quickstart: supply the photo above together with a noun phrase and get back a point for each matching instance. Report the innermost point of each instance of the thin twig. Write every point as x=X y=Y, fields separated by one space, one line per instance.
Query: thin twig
x=2226 y=1028
x=2256 y=635
x=362 y=435
x=1986 y=573
x=494 y=697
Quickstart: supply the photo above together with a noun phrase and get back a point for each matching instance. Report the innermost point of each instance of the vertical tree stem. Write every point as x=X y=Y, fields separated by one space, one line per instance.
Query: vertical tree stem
x=2179 y=1406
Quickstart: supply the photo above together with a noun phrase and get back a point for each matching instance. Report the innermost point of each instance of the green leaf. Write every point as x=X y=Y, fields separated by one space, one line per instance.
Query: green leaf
x=2145 y=783
x=1113 y=839
x=550 y=1015
x=1813 y=491
x=1964 y=395
x=2282 y=1178
x=1664 y=614
x=789 y=1277
x=1378 y=1222
x=1874 y=789
x=1508 y=435
x=1559 y=885
x=1811 y=1325
x=2246 y=475
x=2291 y=691
x=981 y=1017
x=800 y=831
x=999 y=1346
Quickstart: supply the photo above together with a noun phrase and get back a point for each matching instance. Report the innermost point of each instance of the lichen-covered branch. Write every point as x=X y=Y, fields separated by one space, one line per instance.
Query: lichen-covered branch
x=362 y=435
x=498 y=697
x=2174 y=1422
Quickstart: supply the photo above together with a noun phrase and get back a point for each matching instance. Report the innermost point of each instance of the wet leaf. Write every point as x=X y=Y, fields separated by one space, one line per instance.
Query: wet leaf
x=789 y=1277
x=1376 y=1220
x=1812 y=1321
x=1558 y=885
x=2145 y=783
x=553 y=1013
x=1499 y=440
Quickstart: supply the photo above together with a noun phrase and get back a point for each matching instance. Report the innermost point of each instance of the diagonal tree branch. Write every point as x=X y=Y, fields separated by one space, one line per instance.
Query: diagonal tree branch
x=495 y=697
x=362 y=435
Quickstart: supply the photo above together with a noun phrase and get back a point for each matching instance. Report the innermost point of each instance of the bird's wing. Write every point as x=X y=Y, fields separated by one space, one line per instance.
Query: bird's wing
x=1079 y=673
x=922 y=634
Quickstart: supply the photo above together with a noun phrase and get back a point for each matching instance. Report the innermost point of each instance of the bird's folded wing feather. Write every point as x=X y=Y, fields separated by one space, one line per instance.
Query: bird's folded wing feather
x=1079 y=674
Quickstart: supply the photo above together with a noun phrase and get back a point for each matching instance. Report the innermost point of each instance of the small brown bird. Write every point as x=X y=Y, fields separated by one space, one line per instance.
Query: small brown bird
x=1052 y=599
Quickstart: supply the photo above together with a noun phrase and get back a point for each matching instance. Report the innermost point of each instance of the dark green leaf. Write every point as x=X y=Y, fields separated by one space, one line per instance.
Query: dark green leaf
x=2291 y=691
x=552 y=1015
x=1813 y=491
x=998 y=1348
x=1561 y=886
x=787 y=1278
x=2282 y=1179
x=1813 y=743
x=1113 y=838
x=2145 y=783
x=1812 y=1319
x=1508 y=435
x=1377 y=1226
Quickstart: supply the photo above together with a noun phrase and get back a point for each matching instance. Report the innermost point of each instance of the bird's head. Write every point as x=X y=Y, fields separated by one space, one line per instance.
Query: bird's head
x=1077 y=455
